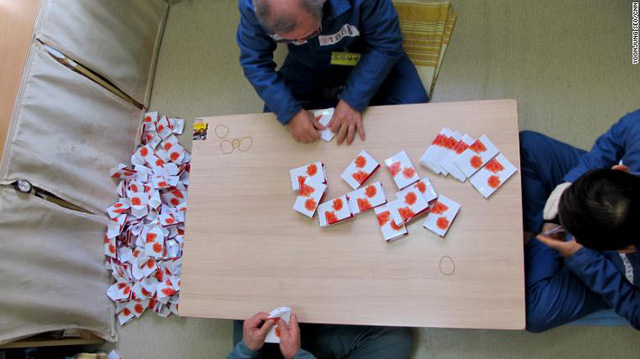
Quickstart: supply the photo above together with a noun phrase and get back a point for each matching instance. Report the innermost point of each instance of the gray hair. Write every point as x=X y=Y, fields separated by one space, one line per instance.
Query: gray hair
x=275 y=23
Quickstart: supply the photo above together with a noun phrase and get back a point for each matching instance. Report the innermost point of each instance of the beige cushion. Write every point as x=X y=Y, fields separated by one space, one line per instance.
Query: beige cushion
x=118 y=39
x=66 y=134
x=53 y=276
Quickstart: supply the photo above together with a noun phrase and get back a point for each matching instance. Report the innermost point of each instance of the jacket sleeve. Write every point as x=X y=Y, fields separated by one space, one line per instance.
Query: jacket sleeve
x=602 y=277
x=256 y=59
x=241 y=351
x=608 y=149
x=380 y=30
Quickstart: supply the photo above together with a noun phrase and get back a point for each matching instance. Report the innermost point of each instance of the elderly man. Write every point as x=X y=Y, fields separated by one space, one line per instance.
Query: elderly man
x=313 y=31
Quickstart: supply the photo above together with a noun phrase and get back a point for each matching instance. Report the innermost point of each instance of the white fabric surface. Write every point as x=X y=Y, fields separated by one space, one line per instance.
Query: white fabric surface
x=67 y=133
x=52 y=273
x=119 y=39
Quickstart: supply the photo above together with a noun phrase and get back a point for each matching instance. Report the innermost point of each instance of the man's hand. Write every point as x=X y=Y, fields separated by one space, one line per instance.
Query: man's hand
x=304 y=128
x=566 y=249
x=345 y=122
x=289 y=337
x=252 y=334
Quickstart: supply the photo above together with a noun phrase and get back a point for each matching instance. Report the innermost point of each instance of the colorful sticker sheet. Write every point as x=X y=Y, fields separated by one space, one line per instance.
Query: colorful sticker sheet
x=144 y=239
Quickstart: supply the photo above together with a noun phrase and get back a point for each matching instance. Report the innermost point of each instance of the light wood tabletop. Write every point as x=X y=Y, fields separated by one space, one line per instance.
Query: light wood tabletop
x=246 y=250
x=17 y=20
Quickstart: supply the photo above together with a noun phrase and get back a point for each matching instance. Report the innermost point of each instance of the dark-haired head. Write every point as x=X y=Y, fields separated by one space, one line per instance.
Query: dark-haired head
x=602 y=210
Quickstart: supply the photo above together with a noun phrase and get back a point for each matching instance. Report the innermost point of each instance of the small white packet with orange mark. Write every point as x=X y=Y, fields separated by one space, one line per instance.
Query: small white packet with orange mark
x=493 y=175
x=314 y=172
x=366 y=198
x=391 y=231
x=402 y=170
x=334 y=211
x=441 y=215
x=360 y=169
x=282 y=313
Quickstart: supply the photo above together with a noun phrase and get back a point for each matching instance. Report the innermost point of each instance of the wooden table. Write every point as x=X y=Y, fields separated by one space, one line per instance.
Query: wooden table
x=246 y=250
x=17 y=19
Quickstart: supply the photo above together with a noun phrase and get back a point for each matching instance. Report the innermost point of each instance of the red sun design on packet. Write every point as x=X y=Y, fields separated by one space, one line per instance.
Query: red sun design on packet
x=157 y=247
x=301 y=180
x=310 y=204
x=312 y=169
x=394 y=226
x=144 y=151
x=370 y=191
x=360 y=176
x=478 y=147
x=138 y=308
x=408 y=172
x=136 y=201
x=126 y=312
x=462 y=148
x=494 y=166
x=364 y=204
x=395 y=168
x=410 y=198
x=475 y=161
x=330 y=217
x=494 y=181
x=306 y=191
x=337 y=204
x=439 y=208
x=151 y=237
x=421 y=187
x=174 y=156
x=360 y=161
x=383 y=218
x=442 y=222
x=406 y=213
x=167 y=146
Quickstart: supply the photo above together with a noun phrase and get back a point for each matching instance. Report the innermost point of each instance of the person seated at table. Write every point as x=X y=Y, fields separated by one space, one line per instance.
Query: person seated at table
x=314 y=30
x=595 y=196
x=322 y=341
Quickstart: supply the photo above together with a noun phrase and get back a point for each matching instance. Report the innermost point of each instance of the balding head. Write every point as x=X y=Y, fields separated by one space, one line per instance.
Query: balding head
x=289 y=16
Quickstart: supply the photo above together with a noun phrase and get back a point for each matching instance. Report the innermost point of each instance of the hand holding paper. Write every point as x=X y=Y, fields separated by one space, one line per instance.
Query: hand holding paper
x=304 y=128
x=253 y=335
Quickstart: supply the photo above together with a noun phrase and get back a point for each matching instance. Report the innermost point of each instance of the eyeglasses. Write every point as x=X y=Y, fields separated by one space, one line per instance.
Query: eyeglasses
x=280 y=40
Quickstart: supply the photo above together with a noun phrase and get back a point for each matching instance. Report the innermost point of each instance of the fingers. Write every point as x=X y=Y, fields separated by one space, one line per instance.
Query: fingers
x=552 y=243
x=360 y=126
x=317 y=125
x=622 y=168
x=342 y=134
x=351 y=133
x=334 y=124
x=262 y=332
x=293 y=324
x=284 y=330
x=256 y=319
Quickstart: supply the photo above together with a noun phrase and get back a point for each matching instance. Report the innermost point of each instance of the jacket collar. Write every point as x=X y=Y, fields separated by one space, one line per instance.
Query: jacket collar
x=335 y=8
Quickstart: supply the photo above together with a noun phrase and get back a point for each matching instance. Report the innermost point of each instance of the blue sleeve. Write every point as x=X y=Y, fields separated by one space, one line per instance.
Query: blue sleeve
x=602 y=277
x=241 y=351
x=380 y=30
x=303 y=354
x=256 y=59
x=607 y=151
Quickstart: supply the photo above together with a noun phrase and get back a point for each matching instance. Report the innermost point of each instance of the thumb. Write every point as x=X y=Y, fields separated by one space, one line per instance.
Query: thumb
x=317 y=125
x=265 y=328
